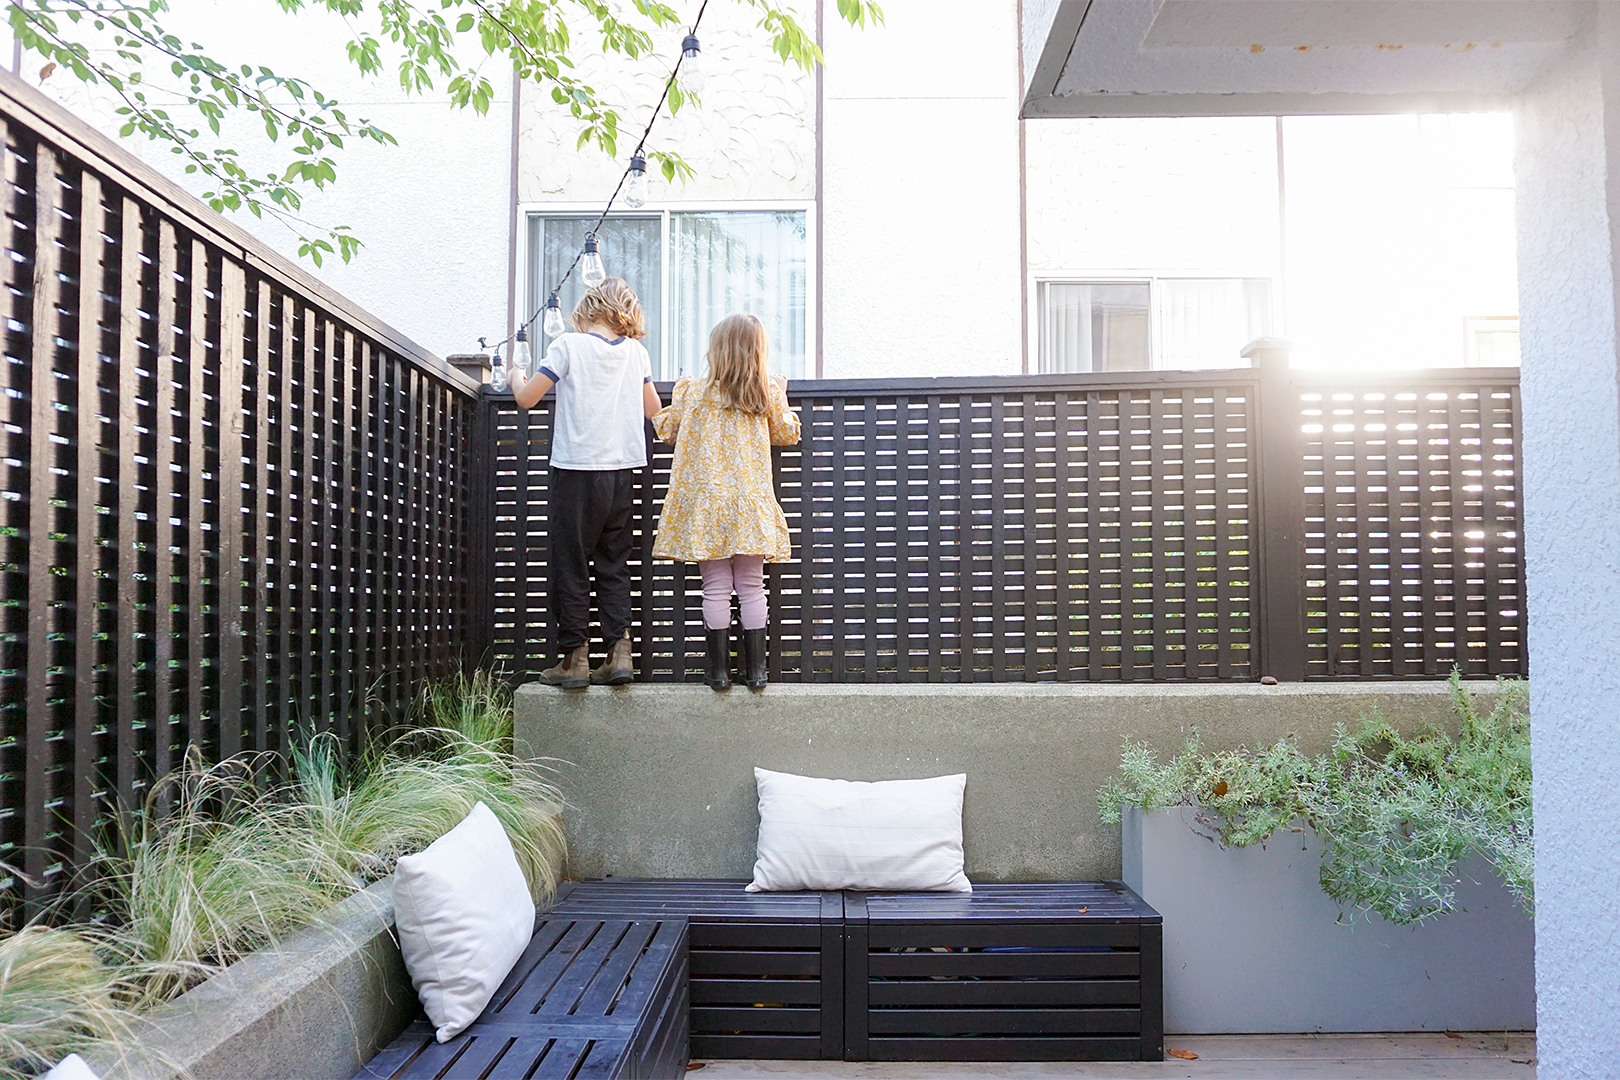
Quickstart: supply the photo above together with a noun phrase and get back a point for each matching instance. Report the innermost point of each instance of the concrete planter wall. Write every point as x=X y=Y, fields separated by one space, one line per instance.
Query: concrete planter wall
x=1252 y=944
x=316 y=1007
x=660 y=780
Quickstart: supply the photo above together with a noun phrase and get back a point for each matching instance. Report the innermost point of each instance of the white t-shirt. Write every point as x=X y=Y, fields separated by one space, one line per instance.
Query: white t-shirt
x=599 y=422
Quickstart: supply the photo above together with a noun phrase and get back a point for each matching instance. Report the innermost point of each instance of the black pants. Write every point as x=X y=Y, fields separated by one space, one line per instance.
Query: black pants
x=590 y=523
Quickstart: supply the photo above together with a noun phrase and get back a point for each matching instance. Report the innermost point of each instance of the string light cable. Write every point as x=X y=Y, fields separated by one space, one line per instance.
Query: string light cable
x=635 y=174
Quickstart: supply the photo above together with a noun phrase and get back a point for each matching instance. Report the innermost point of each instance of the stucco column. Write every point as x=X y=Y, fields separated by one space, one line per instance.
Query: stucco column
x=1568 y=191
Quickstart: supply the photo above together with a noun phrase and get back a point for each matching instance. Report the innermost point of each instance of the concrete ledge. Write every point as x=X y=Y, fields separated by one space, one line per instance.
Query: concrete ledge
x=660 y=776
x=316 y=1007
x=1252 y=944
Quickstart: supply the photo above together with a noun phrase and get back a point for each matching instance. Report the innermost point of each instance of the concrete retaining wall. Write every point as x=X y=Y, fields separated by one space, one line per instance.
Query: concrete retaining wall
x=1252 y=944
x=660 y=777
x=316 y=1007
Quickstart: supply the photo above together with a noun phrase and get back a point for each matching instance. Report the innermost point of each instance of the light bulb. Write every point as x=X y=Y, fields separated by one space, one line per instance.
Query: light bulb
x=553 y=323
x=521 y=354
x=591 y=270
x=635 y=189
x=691 y=74
x=497 y=374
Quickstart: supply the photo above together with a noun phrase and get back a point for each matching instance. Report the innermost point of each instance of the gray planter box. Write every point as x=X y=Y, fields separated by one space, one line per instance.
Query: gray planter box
x=1252 y=944
x=316 y=1007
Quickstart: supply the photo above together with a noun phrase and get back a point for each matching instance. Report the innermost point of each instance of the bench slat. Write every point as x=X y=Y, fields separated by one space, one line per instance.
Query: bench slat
x=588 y=998
x=1013 y=992
x=1004 y=1021
x=1101 y=1048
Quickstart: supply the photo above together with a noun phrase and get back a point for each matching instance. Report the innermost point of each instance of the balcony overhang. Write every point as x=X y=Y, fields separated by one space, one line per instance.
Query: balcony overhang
x=1094 y=58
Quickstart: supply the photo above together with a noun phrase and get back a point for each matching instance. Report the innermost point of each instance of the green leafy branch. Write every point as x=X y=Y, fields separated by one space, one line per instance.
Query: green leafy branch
x=427 y=43
x=288 y=107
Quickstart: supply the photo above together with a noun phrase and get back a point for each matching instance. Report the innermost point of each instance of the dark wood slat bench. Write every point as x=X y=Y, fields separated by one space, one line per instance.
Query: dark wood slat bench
x=1040 y=972
x=589 y=997
x=1059 y=971
x=767 y=968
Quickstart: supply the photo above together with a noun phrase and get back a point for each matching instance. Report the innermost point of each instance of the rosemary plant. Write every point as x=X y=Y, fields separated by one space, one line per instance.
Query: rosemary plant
x=1395 y=812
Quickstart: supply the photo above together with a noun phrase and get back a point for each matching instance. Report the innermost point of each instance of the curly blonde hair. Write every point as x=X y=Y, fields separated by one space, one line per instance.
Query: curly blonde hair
x=612 y=304
x=738 y=354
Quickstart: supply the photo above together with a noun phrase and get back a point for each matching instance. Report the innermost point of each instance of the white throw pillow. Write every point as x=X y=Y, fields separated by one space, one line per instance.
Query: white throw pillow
x=464 y=915
x=901 y=835
x=72 y=1067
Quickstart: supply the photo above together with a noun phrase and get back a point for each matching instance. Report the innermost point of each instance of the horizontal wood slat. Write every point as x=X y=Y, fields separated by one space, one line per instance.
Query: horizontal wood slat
x=992 y=1021
x=921 y=965
x=716 y=991
x=1002 y=1048
x=763 y=1018
x=766 y=968
x=1020 y=992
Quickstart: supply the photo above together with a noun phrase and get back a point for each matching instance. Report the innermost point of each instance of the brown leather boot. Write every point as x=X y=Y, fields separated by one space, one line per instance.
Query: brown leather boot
x=573 y=671
x=619 y=667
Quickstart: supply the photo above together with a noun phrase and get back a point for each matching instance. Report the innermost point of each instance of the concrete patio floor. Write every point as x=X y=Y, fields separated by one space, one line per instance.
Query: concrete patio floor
x=1482 y=1055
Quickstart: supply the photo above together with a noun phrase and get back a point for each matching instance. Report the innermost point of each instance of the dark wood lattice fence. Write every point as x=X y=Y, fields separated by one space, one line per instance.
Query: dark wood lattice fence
x=233 y=504
x=1141 y=526
x=235 y=509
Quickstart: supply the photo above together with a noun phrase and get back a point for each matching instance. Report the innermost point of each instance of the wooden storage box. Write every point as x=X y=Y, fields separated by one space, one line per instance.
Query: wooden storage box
x=767 y=968
x=1041 y=972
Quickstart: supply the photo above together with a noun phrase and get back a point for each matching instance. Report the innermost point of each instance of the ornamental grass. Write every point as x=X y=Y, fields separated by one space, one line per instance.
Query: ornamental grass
x=224 y=860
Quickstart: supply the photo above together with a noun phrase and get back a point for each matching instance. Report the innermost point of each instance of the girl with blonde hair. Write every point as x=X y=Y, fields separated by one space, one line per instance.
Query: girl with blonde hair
x=603 y=377
x=721 y=511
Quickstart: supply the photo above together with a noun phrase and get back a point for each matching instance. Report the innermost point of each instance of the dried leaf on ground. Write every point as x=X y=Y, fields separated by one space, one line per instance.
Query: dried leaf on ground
x=1184 y=1055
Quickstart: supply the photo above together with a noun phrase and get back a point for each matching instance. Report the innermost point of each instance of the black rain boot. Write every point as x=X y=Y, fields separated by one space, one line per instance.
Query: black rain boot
x=718 y=661
x=753 y=656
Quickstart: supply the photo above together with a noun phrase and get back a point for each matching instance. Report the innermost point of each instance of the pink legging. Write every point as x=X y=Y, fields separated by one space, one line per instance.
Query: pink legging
x=746 y=574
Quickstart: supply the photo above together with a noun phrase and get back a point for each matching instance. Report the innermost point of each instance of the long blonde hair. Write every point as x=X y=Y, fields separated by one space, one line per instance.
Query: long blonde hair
x=738 y=355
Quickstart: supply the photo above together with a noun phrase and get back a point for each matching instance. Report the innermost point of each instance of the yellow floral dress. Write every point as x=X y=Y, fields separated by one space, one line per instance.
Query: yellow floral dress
x=721 y=502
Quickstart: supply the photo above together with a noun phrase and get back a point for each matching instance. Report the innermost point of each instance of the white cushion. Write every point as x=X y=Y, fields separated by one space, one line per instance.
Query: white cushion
x=903 y=835
x=72 y=1067
x=464 y=915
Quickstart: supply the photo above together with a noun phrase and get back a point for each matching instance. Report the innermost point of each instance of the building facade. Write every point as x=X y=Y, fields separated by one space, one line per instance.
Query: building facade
x=892 y=216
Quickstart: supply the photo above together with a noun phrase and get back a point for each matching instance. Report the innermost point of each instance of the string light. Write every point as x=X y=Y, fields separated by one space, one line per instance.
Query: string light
x=635 y=191
x=522 y=357
x=691 y=67
x=591 y=270
x=635 y=176
x=497 y=372
x=553 y=323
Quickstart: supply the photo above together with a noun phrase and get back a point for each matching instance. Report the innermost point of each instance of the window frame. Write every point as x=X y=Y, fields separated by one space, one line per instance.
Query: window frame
x=530 y=292
x=1039 y=279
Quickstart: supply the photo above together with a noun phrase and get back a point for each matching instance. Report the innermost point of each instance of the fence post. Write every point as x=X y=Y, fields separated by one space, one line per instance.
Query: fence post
x=1280 y=592
x=480 y=555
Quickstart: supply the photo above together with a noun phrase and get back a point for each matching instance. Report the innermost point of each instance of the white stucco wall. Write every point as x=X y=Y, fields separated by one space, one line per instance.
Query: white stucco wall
x=432 y=211
x=1196 y=196
x=1567 y=261
x=920 y=216
x=752 y=136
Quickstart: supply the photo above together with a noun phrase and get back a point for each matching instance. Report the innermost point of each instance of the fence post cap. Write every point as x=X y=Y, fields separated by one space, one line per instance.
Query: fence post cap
x=1267 y=345
x=475 y=365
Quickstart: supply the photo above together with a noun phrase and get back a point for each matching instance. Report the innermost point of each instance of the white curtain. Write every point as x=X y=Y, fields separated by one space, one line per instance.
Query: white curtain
x=1206 y=322
x=1093 y=326
x=723 y=263
x=630 y=249
x=1066 y=328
